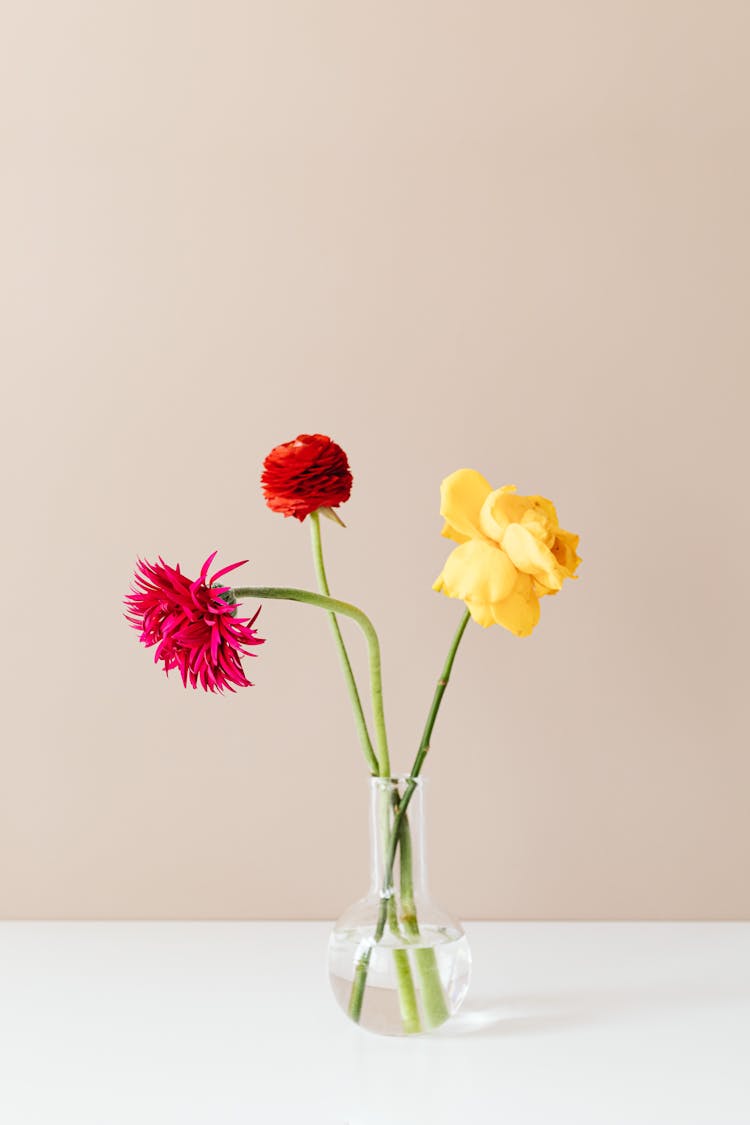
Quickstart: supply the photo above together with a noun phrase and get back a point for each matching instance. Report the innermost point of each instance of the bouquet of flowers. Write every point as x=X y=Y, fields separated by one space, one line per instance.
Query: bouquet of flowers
x=398 y=964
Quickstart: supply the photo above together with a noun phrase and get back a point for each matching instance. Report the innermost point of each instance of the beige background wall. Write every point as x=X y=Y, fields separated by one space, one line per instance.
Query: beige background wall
x=507 y=236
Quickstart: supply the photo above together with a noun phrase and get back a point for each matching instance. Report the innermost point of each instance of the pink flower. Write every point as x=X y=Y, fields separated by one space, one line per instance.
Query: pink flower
x=192 y=623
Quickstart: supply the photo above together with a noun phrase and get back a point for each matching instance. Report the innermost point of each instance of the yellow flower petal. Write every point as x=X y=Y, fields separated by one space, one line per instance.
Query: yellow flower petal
x=532 y=557
x=565 y=551
x=541 y=590
x=461 y=497
x=520 y=612
x=501 y=508
x=540 y=525
x=477 y=571
x=544 y=505
x=481 y=613
x=450 y=533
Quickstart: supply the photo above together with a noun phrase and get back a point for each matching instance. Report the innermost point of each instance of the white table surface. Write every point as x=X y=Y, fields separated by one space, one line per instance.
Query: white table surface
x=219 y=1023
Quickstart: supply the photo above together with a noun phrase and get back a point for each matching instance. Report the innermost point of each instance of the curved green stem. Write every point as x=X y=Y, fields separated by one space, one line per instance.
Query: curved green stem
x=351 y=683
x=343 y=609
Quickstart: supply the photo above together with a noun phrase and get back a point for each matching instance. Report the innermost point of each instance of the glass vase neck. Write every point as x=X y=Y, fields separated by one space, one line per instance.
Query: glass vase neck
x=408 y=871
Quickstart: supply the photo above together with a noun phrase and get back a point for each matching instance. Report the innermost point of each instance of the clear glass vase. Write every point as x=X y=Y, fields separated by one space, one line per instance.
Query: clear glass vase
x=398 y=964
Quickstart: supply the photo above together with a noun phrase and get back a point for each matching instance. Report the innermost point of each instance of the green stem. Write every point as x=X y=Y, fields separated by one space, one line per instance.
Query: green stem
x=360 y=975
x=351 y=683
x=442 y=684
x=343 y=609
x=433 y=998
x=424 y=745
x=407 y=995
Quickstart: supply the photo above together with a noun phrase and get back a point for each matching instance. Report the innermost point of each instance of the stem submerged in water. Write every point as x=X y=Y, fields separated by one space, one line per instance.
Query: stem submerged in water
x=425 y=960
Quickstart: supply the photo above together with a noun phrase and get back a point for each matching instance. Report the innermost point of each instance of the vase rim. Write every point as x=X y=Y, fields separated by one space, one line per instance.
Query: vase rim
x=397 y=779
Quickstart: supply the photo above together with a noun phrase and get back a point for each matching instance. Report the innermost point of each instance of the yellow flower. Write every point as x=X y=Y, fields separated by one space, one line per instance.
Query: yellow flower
x=512 y=551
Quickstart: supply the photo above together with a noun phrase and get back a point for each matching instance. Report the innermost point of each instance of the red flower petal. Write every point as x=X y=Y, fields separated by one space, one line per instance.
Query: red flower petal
x=303 y=475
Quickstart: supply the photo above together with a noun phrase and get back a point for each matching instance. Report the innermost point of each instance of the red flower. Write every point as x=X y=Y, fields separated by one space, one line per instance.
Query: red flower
x=303 y=475
x=193 y=624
